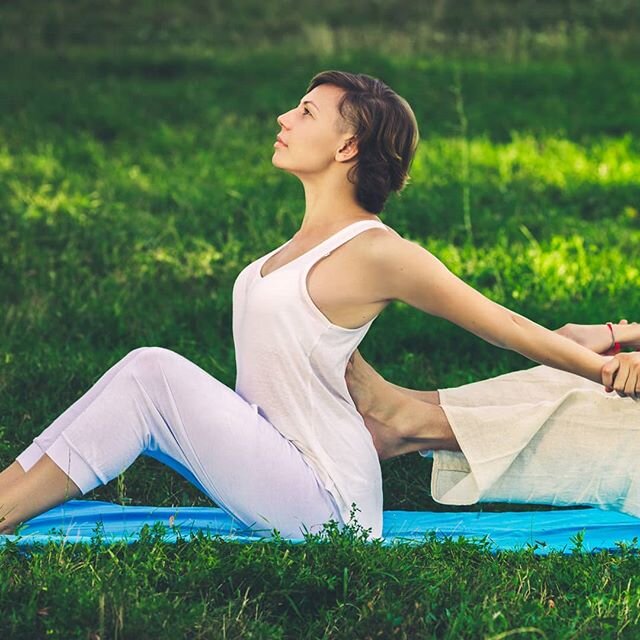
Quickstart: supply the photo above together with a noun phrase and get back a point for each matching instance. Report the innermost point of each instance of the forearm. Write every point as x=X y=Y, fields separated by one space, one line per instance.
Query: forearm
x=597 y=343
x=628 y=335
x=599 y=338
x=552 y=348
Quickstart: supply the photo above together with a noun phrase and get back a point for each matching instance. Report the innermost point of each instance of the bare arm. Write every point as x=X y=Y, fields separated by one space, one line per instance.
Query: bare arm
x=596 y=337
x=403 y=270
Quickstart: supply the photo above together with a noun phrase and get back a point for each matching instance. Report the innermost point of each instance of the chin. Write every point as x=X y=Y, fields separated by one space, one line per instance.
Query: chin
x=275 y=162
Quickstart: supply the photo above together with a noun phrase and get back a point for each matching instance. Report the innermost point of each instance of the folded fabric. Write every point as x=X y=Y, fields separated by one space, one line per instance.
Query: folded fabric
x=88 y=521
x=540 y=436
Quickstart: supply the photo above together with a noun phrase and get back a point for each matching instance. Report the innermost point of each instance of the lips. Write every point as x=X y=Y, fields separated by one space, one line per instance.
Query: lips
x=279 y=139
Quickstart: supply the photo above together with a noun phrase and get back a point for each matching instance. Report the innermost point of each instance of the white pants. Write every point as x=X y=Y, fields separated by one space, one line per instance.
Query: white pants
x=540 y=436
x=155 y=402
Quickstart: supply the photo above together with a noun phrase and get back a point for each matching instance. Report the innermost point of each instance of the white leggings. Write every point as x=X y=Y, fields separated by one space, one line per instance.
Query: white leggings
x=155 y=402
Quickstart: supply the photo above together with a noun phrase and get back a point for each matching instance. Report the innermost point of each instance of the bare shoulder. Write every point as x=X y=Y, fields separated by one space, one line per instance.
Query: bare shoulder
x=392 y=267
x=377 y=238
x=380 y=247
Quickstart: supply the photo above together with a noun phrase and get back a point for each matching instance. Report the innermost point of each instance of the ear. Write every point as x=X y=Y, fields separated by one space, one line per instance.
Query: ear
x=348 y=150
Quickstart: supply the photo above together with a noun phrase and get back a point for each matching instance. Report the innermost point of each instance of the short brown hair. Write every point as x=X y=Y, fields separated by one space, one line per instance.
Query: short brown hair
x=386 y=131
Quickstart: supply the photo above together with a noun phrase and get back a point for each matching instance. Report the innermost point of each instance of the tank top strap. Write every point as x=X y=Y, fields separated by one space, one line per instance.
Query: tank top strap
x=338 y=239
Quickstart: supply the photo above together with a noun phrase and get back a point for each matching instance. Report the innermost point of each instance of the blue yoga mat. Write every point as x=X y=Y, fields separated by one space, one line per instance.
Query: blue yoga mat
x=545 y=531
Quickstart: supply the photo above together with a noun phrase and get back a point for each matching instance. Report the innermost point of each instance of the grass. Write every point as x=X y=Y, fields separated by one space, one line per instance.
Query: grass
x=136 y=183
x=337 y=586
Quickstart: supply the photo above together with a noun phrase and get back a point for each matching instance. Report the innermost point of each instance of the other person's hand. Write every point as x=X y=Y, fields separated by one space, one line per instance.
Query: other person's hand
x=622 y=374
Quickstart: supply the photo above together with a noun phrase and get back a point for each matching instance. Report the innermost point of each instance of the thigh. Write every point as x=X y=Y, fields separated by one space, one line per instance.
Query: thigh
x=235 y=455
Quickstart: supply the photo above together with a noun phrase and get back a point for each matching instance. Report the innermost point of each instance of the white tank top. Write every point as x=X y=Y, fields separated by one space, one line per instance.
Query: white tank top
x=291 y=362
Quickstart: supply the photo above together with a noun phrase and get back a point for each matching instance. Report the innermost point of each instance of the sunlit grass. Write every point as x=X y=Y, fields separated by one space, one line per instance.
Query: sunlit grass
x=134 y=186
x=543 y=161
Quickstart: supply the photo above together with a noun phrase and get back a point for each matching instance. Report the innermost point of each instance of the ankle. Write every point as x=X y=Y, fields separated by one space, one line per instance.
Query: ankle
x=426 y=427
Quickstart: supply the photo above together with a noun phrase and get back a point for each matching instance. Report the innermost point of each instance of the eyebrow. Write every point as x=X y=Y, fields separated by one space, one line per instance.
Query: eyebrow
x=313 y=103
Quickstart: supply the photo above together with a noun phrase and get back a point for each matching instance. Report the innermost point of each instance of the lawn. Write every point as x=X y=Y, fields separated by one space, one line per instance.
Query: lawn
x=136 y=182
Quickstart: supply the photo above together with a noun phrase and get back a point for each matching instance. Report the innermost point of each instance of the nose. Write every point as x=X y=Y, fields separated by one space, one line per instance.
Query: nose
x=281 y=118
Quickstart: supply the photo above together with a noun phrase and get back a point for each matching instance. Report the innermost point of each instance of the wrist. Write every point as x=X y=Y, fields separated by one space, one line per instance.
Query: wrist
x=615 y=345
x=628 y=335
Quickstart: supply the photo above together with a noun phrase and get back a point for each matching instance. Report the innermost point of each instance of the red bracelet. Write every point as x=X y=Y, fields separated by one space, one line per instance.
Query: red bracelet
x=616 y=345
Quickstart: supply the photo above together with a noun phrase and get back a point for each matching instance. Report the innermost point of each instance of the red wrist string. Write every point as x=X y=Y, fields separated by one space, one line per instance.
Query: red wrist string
x=615 y=346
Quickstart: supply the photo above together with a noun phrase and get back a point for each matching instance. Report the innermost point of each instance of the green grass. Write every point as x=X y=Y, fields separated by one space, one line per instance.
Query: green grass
x=136 y=183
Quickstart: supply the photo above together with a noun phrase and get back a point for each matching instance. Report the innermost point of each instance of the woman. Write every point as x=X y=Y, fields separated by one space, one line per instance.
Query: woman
x=288 y=449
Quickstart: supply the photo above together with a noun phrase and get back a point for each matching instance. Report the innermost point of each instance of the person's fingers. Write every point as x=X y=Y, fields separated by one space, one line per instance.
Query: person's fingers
x=630 y=384
x=621 y=378
x=623 y=321
x=608 y=373
x=635 y=375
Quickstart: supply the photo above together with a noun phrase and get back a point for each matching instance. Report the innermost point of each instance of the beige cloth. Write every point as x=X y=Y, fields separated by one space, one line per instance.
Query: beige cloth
x=540 y=436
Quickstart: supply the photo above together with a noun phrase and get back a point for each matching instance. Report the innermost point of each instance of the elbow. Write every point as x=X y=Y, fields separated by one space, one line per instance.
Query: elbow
x=511 y=338
x=520 y=321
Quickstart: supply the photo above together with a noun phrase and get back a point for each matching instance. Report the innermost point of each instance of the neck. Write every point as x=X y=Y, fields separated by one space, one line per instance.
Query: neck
x=330 y=204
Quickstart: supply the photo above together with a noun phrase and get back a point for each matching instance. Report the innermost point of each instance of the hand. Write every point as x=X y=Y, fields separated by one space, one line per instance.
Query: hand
x=622 y=375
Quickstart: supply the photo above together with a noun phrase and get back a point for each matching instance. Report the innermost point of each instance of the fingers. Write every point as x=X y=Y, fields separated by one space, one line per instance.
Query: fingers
x=622 y=374
x=630 y=386
x=622 y=381
x=608 y=373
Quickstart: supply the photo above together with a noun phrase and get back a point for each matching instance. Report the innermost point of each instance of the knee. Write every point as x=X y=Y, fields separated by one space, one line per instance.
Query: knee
x=134 y=353
x=130 y=357
x=150 y=359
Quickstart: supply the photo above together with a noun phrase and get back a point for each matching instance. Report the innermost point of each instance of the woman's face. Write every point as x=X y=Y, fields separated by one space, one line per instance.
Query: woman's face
x=311 y=134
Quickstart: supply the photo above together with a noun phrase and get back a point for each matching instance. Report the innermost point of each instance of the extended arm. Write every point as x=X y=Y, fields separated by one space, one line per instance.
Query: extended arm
x=596 y=337
x=403 y=270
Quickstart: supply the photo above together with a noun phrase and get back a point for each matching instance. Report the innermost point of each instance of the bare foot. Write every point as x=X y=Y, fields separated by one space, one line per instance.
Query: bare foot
x=398 y=423
x=377 y=402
